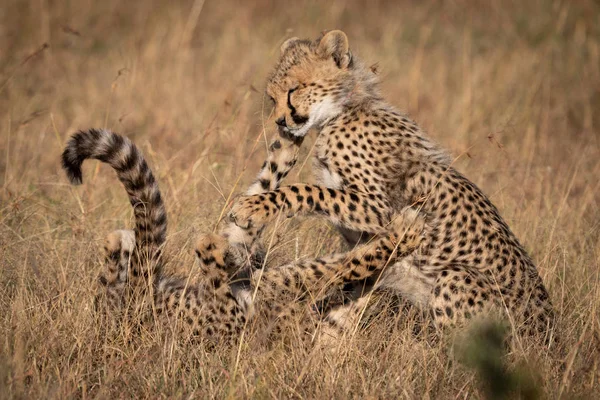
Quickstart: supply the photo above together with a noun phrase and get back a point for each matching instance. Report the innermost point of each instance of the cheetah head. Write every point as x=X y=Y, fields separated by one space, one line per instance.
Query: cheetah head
x=312 y=82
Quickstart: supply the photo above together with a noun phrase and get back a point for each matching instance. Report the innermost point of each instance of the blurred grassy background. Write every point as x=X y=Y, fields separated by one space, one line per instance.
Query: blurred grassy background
x=511 y=87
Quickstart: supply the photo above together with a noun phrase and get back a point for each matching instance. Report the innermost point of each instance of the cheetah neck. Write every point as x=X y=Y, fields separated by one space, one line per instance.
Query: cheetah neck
x=361 y=86
x=376 y=119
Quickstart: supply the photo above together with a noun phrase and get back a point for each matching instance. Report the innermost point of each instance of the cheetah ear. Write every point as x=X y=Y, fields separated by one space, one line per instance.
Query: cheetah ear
x=285 y=45
x=335 y=44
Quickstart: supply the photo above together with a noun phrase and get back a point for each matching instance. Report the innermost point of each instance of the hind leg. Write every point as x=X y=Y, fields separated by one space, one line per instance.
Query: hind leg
x=459 y=294
x=118 y=247
x=365 y=262
x=452 y=297
x=462 y=293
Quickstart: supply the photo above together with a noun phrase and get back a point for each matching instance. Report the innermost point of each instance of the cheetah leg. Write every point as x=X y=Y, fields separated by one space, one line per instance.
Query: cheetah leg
x=454 y=296
x=119 y=246
x=352 y=210
x=313 y=277
x=459 y=294
x=402 y=277
x=281 y=158
x=462 y=293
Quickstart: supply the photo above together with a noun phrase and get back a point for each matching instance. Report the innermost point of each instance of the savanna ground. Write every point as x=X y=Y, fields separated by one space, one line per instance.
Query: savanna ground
x=510 y=88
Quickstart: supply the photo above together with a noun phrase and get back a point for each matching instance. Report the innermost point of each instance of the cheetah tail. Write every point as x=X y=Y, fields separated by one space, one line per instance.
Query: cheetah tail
x=133 y=172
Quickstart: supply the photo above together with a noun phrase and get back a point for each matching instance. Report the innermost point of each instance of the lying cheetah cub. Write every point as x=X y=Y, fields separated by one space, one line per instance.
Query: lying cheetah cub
x=213 y=307
x=370 y=162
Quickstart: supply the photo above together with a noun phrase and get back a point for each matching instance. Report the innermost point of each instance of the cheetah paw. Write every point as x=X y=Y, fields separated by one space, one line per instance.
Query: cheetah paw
x=211 y=246
x=249 y=212
x=119 y=240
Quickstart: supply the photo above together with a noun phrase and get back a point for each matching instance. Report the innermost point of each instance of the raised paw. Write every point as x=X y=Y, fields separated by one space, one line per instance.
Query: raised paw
x=214 y=250
x=250 y=212
x=118 y=247
x=211 y=246
x=119 y=240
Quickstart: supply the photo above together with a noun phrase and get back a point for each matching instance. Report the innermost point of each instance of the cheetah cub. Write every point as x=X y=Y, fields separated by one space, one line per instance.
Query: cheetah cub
x=370 y=161
x=213 y=307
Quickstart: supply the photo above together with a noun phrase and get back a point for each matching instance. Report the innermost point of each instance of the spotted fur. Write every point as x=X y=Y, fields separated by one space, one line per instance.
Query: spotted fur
x=371 y=161
x=212 y=306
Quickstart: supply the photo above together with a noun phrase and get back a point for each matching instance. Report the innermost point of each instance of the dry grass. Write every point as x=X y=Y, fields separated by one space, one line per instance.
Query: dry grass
x=513 y=87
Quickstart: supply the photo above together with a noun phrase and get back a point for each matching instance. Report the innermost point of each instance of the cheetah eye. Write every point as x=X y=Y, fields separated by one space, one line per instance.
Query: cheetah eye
x=272 y=99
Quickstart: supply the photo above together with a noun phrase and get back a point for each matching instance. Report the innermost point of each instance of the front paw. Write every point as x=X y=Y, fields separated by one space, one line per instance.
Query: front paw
x=249 y=212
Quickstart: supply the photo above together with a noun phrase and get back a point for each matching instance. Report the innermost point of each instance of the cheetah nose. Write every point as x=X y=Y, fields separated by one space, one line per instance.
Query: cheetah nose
x=281 y=122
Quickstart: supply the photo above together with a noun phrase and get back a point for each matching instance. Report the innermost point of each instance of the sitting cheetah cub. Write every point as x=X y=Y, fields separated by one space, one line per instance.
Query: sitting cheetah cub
x=371 y=161
x=213 y=307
